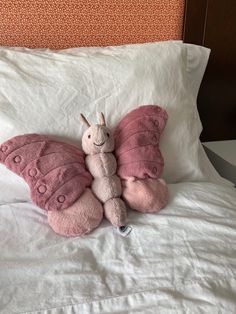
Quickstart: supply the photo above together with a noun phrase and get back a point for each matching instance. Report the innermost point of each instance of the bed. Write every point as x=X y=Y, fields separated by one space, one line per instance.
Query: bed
x=180 y=260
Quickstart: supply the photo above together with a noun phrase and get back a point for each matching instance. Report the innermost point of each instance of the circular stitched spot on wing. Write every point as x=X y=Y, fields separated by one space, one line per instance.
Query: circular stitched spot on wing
x=61 y=198
x=156 y=123
x=17 y=159
x=32 y=172
x=154 y=169
x=154 y=139
x=42 y=189
x=4 y=148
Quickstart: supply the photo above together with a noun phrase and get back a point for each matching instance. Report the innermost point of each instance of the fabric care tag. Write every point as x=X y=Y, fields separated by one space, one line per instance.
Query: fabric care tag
x=124 y=231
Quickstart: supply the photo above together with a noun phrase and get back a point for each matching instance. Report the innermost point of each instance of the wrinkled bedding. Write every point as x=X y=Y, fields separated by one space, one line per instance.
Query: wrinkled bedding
x=182 y=260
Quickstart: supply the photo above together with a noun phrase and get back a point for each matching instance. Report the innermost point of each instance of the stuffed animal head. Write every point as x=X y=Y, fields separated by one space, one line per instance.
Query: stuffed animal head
x=97 y=138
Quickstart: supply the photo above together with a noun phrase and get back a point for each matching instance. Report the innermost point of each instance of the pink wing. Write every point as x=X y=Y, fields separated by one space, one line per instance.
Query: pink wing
x=139 y=160
x=137 y=139
x=54 y=171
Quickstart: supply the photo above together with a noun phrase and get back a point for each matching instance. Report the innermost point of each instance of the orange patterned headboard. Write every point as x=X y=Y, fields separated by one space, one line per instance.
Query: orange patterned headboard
x=58 y=24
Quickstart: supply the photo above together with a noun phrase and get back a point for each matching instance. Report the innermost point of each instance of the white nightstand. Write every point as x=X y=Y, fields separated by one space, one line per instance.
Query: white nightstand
x=222 y=155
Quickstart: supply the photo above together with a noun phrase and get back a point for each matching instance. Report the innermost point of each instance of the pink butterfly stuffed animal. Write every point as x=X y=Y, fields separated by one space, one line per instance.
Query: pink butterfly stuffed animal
x=60 y=183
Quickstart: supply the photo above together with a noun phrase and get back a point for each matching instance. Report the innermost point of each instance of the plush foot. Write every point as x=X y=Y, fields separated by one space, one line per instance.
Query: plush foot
x=115 y=212
x=145 y=195
x=80 y=218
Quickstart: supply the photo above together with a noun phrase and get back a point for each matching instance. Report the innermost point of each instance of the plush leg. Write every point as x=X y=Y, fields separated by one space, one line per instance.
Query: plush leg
x=145 y=195
x=115 y=211
x=80 y=218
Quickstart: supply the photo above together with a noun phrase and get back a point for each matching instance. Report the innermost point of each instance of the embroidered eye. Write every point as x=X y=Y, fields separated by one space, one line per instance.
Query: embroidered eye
x=108 y=135
x=89 y=136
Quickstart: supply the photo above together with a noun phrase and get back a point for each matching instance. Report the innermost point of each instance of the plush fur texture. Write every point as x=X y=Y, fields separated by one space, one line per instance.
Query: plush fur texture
x=55 y=171
x=98 y=143
x=57 y=177
x=139 y=158
x=145 y=195
x=137 y=139
x=78 y=219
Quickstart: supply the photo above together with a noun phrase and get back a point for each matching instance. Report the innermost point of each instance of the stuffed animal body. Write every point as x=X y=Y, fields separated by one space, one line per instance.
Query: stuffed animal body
x=76 y=190
x=98 y=144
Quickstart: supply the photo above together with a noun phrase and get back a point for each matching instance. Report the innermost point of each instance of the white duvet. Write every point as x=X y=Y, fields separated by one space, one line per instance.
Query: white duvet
x=182 y=260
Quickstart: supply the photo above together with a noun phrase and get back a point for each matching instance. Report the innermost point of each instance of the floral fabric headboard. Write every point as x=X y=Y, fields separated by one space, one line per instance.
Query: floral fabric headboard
x=58 y=24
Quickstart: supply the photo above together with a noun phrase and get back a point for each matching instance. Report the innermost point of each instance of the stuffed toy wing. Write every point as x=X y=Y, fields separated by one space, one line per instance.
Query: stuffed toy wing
x=58 y=181
x=139 y=159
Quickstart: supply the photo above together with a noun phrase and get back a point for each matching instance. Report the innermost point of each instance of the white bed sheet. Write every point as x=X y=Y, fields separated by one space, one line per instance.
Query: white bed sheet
x=182 y=260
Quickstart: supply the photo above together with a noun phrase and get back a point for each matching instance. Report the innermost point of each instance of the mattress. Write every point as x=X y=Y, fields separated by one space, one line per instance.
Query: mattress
x=182 y=260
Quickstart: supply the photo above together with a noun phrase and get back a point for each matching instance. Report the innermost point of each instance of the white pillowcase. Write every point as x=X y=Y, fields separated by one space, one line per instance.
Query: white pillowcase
x=45 y=91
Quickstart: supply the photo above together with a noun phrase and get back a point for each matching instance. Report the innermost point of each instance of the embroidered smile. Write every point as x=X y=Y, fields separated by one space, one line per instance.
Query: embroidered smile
x=98 y=144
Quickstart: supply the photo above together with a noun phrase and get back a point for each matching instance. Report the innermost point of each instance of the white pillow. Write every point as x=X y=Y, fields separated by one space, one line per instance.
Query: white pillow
x=45 y=91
